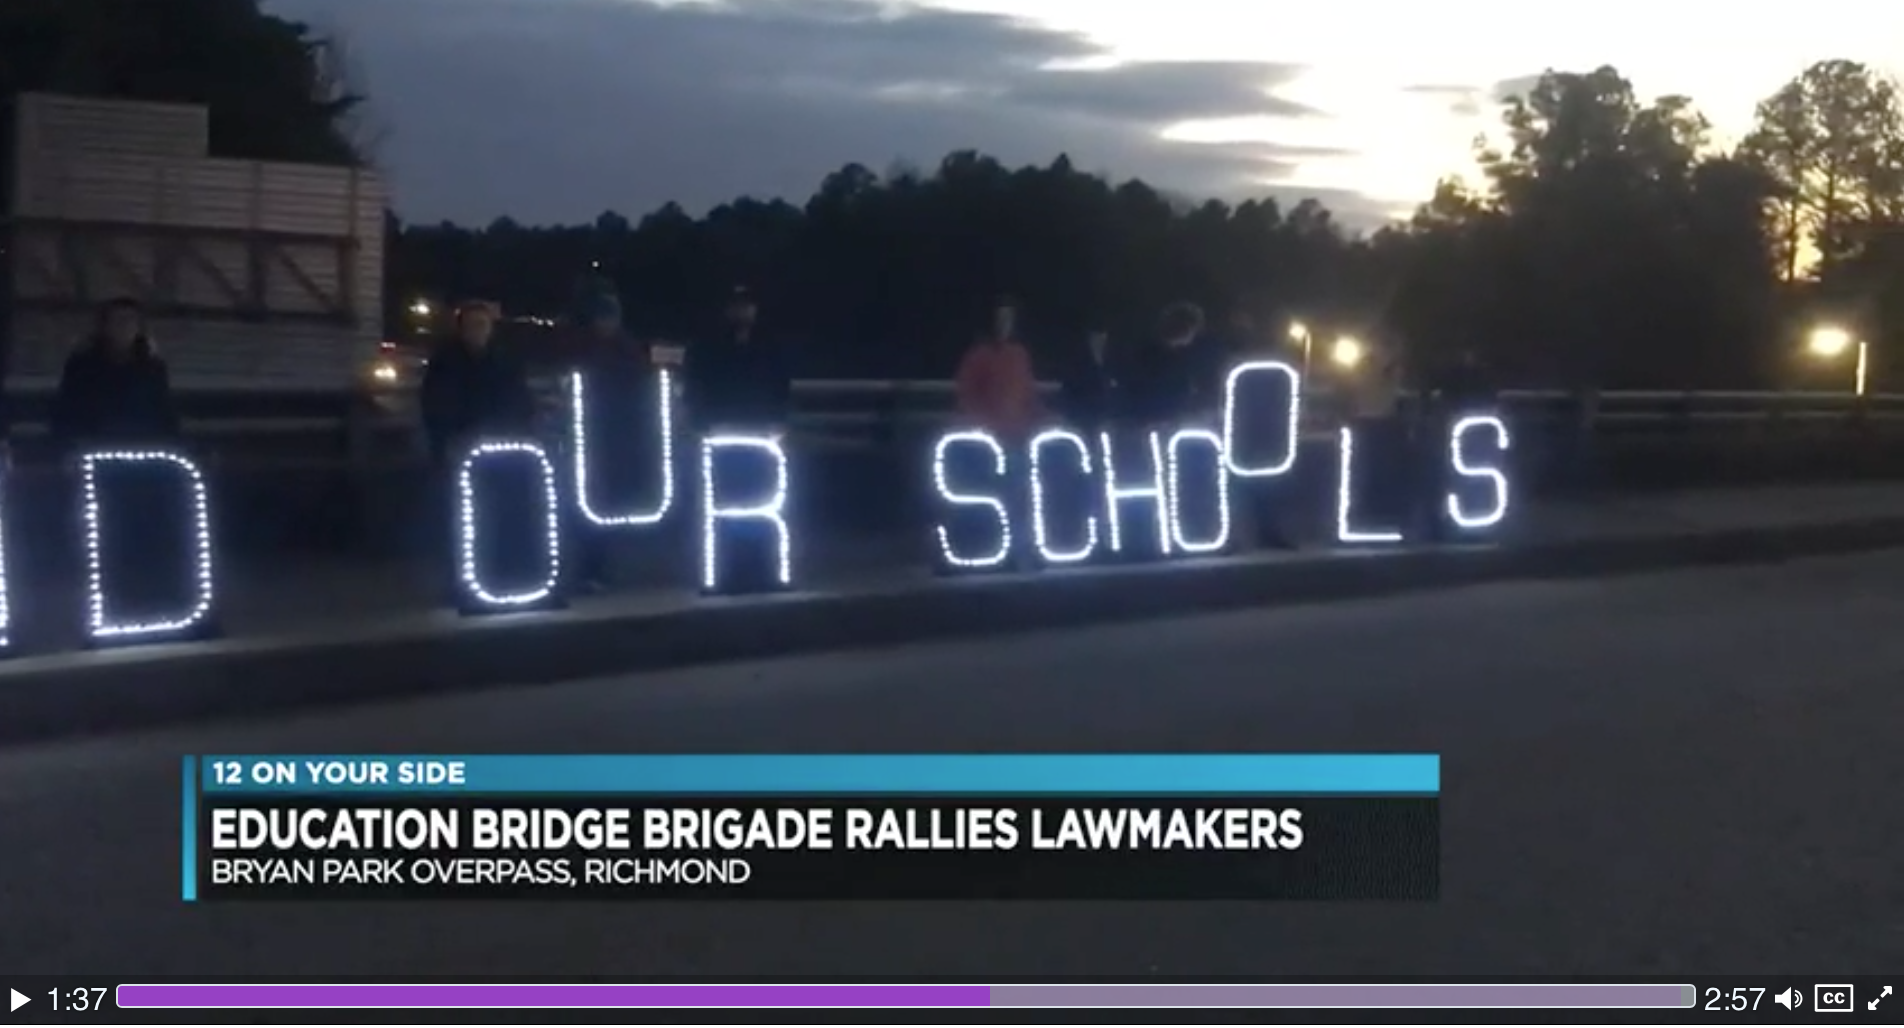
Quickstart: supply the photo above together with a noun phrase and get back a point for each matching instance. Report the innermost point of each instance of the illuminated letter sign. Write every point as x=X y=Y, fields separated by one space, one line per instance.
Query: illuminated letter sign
x=123 y=556
x=6 y=609
x=949 y=552
x=765 y=507
x=477 y=545
x=1345 y=530
x=1237 y=453
x=1115 y=495
x=637 y=514
x=1042 y=496
x=1181 y=445
x=1491 y=512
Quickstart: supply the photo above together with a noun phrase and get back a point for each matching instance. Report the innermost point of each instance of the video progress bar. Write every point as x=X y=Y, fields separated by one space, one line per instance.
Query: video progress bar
x=594 y=996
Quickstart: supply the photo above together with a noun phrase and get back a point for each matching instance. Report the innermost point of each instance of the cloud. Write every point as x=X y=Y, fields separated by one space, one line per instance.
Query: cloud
x=553 y=110
x=1514 y=88
x=1462 y=101
x=1165 y=92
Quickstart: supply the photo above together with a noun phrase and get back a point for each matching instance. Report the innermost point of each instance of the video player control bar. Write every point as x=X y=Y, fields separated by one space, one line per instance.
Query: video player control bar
x=583 y=996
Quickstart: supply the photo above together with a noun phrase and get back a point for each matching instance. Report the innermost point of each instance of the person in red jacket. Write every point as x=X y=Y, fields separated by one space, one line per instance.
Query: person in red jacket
x=997 y=389
x=998 y=392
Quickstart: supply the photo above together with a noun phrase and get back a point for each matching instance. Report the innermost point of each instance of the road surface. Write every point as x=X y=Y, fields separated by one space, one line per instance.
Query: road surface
x=1679 y=774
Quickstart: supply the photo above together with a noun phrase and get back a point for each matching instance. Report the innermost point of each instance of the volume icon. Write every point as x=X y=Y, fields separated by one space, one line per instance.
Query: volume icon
x=1790 y=999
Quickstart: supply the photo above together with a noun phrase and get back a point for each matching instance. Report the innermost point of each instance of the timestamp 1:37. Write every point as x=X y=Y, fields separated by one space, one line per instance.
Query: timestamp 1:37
x=80 y=1000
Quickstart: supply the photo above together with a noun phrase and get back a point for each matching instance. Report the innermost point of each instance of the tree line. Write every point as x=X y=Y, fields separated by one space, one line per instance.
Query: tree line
x=1607 y=239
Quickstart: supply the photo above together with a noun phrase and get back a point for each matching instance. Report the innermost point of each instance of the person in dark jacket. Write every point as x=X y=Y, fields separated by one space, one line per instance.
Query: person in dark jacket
x=737 y=379
x=1175 y=377
x=115 y=387
x=116 y=393
x=473 y=388
x=1091 y=387
x=616 y=448
x=740 y=384
x=1454 y=390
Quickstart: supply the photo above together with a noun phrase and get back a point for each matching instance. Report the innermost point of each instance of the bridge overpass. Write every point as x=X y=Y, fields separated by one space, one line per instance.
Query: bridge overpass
x=1686 y=773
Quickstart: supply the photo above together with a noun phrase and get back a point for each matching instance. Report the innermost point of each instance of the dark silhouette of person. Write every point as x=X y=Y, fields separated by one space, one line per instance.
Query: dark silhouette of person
x=473 y=388
x=115 y=393
x=115 y=386
x=621 y=401
x=1090 y=387
x=740 y=383
x=1174 y=378
x=737 y=379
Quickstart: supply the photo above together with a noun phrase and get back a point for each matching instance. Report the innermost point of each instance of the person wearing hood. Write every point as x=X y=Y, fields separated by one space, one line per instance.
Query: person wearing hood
x=616 y=448
x=115 y=388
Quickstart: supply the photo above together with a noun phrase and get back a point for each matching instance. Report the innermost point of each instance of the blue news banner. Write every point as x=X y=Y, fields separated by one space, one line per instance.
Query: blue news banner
x=1102 y=827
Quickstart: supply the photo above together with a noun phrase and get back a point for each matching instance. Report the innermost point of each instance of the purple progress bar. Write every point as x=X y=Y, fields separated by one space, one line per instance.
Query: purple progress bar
x=343 y=997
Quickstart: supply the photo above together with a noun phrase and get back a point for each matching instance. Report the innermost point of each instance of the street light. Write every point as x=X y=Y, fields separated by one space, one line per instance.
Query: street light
x=421 y=308
x=1347 y=353
x=1831 y=342
x=1299 y=333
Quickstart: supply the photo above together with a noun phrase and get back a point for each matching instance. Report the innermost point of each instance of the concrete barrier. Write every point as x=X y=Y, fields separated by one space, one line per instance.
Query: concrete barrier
x=73 y=693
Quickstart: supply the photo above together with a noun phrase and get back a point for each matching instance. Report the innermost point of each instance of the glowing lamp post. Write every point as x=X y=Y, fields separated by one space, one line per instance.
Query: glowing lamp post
x=1299 y=333
x=1831 y=343
x=1347 y=353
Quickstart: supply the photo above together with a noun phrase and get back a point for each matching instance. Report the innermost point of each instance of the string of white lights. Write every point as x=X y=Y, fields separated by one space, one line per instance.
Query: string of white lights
x=772 y=510
x=99 y=623
x=1174 y=455
x=6 y=608
x=578 y=435
x=1293 y=437
x=1000 y=513
x=1040 y=529
x=1458 y=454
x=468 y=522
x=1115 y=495
x=1344 y=529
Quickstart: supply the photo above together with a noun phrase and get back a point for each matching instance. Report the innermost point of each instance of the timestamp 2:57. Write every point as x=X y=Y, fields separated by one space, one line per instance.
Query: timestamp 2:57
x=1739 y=1000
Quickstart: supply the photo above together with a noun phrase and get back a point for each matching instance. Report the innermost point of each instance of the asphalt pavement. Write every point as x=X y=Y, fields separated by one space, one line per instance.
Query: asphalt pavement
x=1691 y=773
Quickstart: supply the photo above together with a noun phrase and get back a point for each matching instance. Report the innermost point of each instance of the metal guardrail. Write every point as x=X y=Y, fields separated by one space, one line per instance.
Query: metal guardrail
x=841 y=407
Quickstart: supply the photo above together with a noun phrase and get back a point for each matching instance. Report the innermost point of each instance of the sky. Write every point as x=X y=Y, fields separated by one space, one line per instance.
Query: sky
x=552 y=111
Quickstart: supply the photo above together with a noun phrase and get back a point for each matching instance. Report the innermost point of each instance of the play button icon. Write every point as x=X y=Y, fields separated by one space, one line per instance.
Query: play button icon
x=20 y=999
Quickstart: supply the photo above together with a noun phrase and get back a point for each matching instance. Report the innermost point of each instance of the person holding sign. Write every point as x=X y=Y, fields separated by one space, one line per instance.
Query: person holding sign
x=1461 y=400
x=480 y=415
x=473 y=388
x=1090 y=387
x=1174 y=383
x=740 y=394
x=144 y=507
x=620 y=435
x=997 y=393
